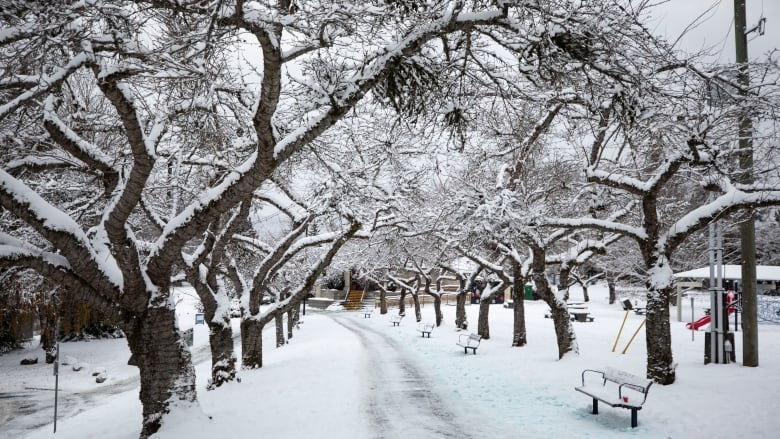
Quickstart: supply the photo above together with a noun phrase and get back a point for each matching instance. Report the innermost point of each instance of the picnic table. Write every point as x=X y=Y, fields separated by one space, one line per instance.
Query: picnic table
x=581 y=316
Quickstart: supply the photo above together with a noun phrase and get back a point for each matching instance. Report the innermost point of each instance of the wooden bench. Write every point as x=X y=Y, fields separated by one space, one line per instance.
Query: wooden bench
x=469 y=341
x=425 y=329
x=395 y=319
x=367 y=313
x=626 y=393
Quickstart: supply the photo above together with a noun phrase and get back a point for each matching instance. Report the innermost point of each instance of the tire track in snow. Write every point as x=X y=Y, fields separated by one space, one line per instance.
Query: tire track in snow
x=401 y=401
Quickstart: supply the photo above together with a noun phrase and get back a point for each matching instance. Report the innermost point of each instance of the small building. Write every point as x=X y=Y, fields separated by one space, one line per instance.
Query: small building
x=767 y=277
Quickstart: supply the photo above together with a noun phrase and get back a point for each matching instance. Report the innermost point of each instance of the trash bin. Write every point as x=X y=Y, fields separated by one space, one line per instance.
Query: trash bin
x=528 y=292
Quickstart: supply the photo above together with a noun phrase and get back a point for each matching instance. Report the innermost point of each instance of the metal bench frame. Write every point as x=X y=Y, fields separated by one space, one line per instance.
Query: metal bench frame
x=624 y=380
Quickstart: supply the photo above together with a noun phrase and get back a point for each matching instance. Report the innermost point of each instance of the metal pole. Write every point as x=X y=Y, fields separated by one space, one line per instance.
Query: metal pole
x=56 y=383
x=748 y=228
x=692 y=329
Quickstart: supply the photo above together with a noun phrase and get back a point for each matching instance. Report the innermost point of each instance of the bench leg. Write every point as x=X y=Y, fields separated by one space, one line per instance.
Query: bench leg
x=466 y=351
x=633 y=418
x=595 y=406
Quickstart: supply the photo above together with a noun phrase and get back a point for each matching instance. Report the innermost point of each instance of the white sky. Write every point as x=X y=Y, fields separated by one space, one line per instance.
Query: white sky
x=716 y=28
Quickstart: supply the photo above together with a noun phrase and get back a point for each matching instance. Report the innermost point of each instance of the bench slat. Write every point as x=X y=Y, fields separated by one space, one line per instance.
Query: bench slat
x=620 y=377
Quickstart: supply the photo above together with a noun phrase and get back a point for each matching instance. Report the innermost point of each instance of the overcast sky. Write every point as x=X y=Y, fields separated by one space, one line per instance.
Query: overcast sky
x=716 y=28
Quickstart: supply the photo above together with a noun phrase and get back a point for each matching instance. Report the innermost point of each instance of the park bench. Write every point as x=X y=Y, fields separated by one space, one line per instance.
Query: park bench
x=367 y=313
x=469 y=341
x=425 y=329
x=395 y=319
x=626 y=392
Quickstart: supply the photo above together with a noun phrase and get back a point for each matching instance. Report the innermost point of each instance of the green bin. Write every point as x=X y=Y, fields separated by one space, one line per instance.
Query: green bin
x=528 y=292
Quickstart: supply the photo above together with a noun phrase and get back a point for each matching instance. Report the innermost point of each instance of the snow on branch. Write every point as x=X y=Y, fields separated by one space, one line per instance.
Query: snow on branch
x=72 y=142
x=45 y=84
x=598 y=224
x=728 y=202
x=59 y=228
x=12 y=248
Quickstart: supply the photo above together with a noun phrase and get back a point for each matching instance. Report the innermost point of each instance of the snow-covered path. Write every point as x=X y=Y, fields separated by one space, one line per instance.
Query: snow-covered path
x=402 y=401
x=349 y=377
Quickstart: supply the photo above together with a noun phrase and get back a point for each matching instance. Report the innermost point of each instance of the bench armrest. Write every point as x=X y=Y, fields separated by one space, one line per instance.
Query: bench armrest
x=592 y=371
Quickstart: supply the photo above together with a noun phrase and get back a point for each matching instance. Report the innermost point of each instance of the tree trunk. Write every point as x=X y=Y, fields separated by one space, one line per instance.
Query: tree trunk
x=518 y=298
x=290 y=324
x=279 y=319
x=660 y=362
x=402 y=303
x=461 y=322
x=223 y=357
x=585 y=296
x=564 y=333
x=483 y=328
x=48 y=333
x=165 y=364
x=611 y=286
x=382 y=302
x=417 y=311
x=563 y=281
x=437 y=309
x=251 y=344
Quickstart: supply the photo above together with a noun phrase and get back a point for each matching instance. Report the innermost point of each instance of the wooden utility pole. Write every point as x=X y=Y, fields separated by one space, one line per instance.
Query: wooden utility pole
x=747 y=229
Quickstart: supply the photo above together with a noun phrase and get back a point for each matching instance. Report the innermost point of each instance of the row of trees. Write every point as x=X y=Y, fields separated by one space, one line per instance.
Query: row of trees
x=151 y=138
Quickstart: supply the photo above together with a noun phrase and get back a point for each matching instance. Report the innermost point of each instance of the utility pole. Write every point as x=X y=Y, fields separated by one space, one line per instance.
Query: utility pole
x=748 y=228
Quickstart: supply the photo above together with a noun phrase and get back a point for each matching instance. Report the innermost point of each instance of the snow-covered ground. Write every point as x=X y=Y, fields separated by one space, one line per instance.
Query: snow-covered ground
x=350 y=377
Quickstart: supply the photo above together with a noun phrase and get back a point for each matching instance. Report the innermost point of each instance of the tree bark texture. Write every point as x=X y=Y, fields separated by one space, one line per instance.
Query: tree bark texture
x=402 y=303
x=483 y=327
x=564 y=333
x=279 y=319
x=519 y=335
x=251 y=344
x=461 y=322
x=382 y=302
x=563 y=282
x=166 y=372
x=611 y=287
x=660 y=362
x=417 y=311
x=437 y=309
x=223 y=357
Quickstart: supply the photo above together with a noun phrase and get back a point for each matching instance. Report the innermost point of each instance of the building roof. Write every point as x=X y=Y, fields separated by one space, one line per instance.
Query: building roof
x=734 y=272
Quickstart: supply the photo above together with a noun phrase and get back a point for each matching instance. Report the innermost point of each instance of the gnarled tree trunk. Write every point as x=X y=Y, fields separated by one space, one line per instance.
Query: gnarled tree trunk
x=461 y=322
x=564 y=332
x=279 y=319
x=166 y=372
x=483 y=327
x=382 y=301
x=416 y=301
x=251 y=343
x=519 y=337
x=223 y=357
x=660 y=362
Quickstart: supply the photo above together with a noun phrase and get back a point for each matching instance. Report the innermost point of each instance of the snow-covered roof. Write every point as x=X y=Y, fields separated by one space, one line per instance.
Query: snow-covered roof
x=763 y=272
